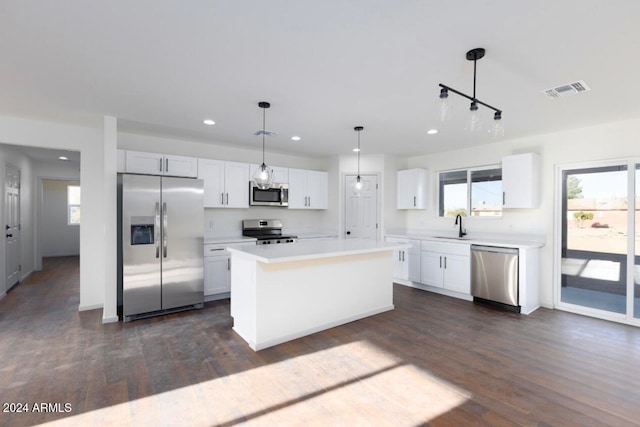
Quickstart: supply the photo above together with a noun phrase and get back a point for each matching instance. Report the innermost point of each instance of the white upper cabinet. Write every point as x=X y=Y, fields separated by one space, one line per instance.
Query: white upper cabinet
x=308 y=189
x=226 y=184
x=412 y=189
x=280 y=174
x=160 y=164
x=520 y=181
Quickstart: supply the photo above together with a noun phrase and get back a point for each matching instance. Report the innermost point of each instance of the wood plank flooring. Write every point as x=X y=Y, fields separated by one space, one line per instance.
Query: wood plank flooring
x=433 y=361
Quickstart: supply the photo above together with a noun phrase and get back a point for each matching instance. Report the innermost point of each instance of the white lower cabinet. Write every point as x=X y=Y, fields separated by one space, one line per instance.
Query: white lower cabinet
x=217 y=269
x=446 y=266
x=406 y=264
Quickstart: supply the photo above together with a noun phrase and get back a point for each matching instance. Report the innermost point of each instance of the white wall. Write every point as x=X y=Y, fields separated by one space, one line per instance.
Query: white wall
x=58 y=237
x=610 y=141
x=10 y=155
x=96 y=243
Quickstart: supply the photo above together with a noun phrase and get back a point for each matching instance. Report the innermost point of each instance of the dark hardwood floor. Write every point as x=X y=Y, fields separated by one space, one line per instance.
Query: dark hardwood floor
x=432 y=361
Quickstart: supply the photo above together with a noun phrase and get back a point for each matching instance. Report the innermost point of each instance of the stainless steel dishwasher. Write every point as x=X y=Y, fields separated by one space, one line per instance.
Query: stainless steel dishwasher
x=494 y=274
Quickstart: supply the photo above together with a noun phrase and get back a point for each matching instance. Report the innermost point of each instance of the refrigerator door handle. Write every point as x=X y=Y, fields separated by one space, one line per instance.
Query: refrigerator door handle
x=157 y=230
x=164 y=230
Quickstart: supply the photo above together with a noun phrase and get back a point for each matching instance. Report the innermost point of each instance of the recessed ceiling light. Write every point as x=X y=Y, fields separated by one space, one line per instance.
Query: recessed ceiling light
x=432 y=131
x=355 y=150
x=209 y=122
x=63 y=158
x=295 y=138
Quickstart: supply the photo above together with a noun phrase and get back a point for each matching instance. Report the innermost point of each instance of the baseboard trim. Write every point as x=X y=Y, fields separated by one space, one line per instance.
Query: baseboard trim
x=90 y=307
x=111 y=319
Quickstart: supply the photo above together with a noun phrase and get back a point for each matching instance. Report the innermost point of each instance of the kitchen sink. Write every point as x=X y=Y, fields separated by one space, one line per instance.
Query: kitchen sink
x=451 y=238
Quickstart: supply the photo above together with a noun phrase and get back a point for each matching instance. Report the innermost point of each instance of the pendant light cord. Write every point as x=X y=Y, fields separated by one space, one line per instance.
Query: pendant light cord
x=264 y=113
x=358 y=153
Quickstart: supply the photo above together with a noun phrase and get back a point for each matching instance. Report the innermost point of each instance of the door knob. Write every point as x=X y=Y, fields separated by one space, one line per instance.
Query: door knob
x=348 y=232
x=6 y=227
x=9 y=235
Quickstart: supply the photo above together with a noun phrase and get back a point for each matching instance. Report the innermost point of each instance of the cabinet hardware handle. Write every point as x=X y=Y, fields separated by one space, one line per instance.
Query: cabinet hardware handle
x=503 y=198
x=228 y=263
x=160 y=165
x=399 y=256
x=440 y=261
x=402 y=256
x=222 y=198
x=157 y=229
x=166 y=165
x=414 y=201
x=445 y=262
x=227 y=198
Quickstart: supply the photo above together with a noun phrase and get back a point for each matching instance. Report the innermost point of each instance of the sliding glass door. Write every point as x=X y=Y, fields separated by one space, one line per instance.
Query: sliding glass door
x=599 y=240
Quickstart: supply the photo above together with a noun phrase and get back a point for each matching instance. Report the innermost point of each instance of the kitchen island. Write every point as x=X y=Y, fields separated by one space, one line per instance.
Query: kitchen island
x=282 y=292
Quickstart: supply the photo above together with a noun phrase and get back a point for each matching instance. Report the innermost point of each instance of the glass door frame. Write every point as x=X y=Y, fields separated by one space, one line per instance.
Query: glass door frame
x=559 y=205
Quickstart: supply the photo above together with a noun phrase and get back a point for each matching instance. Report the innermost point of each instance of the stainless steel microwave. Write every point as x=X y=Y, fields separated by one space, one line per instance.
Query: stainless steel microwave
x=277 y=195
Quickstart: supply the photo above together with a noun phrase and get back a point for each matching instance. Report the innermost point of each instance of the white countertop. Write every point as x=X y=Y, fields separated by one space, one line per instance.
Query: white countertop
x=209 y=240
x=314 y=249
x=514 y=241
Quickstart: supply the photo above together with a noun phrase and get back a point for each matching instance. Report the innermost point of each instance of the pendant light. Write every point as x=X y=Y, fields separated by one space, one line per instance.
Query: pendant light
x=357 y=184
x=475 y=119
x=263 y=177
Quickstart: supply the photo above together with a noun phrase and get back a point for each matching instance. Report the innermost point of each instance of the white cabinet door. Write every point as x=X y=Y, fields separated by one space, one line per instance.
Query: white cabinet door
x=216 y=275
x=414 y=267
x=145 y=163
x=160 y=164
x=400 y=260
x=308 y=189
x=317 y=188
x=297 y=189
x=212 y=174
x=431 y=265
x=457 y=273
x=236 y=185
x=180 y=166
x=520 y=181
x=412 y=189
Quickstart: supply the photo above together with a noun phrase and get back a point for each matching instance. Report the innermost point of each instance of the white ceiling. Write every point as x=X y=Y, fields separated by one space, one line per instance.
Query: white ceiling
x=162 y=66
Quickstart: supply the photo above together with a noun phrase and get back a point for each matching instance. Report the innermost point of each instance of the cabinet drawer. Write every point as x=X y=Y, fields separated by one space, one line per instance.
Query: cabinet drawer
x=447 y=247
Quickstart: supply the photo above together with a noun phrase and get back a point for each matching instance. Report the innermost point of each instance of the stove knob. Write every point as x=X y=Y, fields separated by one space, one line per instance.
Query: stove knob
x=278 y=241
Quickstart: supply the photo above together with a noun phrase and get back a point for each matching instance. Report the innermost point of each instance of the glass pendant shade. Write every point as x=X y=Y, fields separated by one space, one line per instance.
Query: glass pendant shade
x=475 y=119
x=497 y=129
x=263 y=177
x=356 y=186
x=445 y=111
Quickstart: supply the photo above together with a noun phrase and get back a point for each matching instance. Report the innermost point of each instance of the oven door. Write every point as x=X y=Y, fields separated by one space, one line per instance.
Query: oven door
x=277 y=195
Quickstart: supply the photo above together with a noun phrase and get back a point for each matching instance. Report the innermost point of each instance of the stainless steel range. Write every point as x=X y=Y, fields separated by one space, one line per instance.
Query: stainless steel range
x=267 y=231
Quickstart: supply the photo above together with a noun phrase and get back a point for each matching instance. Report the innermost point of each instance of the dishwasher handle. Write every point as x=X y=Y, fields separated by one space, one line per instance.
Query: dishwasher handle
x=494 y=249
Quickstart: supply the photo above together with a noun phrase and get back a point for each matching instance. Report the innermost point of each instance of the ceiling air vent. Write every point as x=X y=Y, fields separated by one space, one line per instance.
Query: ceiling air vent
x=265 y=132
x=567 y=90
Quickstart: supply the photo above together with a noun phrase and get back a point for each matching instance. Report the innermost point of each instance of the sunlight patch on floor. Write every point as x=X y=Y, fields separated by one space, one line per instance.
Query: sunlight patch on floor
x=350 y=384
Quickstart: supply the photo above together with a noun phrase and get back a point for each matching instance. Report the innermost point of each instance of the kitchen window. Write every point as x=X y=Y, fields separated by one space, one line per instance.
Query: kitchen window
x=470 y=192
x=73 y=204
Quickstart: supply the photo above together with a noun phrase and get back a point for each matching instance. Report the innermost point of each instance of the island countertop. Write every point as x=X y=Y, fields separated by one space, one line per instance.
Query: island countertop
x=315 y=249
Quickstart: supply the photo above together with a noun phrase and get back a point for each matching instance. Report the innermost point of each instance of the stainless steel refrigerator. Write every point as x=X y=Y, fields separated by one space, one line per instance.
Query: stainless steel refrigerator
x=160 y=255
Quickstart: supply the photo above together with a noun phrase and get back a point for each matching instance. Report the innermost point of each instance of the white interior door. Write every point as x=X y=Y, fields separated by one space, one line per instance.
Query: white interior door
x=12 y=227
x=361 y=209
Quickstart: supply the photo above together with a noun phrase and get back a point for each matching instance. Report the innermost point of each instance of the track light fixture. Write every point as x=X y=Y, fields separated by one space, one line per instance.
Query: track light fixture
x=263 y=177
x=475 y=122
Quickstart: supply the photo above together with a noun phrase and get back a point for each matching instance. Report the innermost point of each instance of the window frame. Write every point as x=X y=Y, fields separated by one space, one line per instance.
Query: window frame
x=71 y=206
x=441 y=208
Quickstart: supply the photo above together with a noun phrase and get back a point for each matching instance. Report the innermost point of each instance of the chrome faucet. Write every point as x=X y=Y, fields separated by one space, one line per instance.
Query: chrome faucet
x=461 y=232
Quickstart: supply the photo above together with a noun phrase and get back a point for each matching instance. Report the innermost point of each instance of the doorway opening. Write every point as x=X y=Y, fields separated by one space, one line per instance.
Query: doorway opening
x=599 y=243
